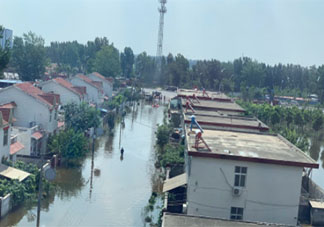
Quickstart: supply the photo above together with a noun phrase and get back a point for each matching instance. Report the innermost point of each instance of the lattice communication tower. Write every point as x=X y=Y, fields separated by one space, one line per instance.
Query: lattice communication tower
x=162 y=9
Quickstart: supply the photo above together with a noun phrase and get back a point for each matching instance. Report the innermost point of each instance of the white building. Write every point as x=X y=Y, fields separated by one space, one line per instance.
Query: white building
x=5 y=131
x=94 y=88
x=34 y=107
x=68 y=93
x=244 y=176
x=7 y=36
x=107 y=82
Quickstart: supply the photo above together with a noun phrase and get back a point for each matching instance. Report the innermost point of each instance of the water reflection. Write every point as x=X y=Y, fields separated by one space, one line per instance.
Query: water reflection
x=118 y=187
x=69 y=182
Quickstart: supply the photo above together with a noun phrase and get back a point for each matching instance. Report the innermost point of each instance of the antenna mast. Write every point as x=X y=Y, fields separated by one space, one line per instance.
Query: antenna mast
x=162 y=11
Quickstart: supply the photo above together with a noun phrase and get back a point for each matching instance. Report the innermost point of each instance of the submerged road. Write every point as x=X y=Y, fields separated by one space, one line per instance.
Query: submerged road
x=120 y=186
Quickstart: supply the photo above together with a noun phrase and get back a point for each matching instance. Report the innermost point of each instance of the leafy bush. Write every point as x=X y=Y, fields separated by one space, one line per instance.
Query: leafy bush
x=162 y=135
x=69 y=144
x=81 y=117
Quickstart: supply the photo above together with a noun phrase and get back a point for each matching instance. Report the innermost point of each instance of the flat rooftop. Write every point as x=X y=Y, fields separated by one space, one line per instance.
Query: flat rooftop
x=214 y=105
x=228 y=121
x=179 y=220
x=252 y=147
x=200 y=94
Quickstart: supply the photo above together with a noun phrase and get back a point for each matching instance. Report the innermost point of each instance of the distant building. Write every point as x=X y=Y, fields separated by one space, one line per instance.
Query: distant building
x=68 y=93
x=7 y=37
x=34 y=107
x=107 y=82
x=94 y=89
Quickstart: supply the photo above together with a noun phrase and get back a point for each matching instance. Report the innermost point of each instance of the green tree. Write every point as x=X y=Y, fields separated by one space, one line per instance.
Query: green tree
x=127 y=62
x=4 y=55
x=107 y=61
x=81 y=117
x=69 y=144
x=29 y=56
x=162 y=135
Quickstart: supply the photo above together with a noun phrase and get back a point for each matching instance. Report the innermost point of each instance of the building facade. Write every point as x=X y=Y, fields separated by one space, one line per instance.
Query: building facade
x=34 y=107
x=244 y=176
x=94 y=90
x=7 y=38
x=68 y=93
x=107 y=84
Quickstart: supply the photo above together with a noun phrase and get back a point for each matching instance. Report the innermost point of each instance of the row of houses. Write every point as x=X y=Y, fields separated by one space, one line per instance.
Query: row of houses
x=236 y=172
x=29 y=111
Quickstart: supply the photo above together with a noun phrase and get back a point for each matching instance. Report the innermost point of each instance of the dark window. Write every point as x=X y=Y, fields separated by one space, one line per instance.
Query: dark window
x=236 y=213
x=240 y=176
x=5 y=137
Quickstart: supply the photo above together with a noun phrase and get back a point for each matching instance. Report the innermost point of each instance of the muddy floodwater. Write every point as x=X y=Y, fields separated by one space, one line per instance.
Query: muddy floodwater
x=119 y=188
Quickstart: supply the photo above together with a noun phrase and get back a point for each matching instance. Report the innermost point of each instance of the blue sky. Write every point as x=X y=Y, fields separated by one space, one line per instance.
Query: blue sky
x=272 y=31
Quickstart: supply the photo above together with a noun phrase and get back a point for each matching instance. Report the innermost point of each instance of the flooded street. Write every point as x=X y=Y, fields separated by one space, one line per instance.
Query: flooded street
x=119 y=189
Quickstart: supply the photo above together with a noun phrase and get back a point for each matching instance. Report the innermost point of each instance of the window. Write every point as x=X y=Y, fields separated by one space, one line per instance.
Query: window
x=240 y=176
x=55 y=116
x=5 y=137
x=236 y=213
x=50 y=117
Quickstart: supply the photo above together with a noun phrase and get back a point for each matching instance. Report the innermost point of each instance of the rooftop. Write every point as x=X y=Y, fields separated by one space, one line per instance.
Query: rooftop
x=13 y=173
x=109 y=79
x=252 y=147
x=214 y=105
x=228 y=121
x=89 y=81
x=200 y=94
x=67 y=85
x=182 y=220
x=35 y=92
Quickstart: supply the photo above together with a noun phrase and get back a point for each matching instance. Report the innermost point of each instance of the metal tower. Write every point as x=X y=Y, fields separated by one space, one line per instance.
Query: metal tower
x=162 y=11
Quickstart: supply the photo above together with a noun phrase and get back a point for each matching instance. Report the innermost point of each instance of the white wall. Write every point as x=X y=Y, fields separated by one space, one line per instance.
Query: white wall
x=93 y=94
x=271 y=193
x=23 y=137
x=28 y=109
x=107 y=86
x=5 y=205
x=4 y=150
x=66 y=96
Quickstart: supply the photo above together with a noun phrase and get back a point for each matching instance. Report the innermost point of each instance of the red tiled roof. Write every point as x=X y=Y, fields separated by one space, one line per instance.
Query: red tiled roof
x=60 y=124
x=81 y=90
x=5 y=114
x=28 y=88
x=89 y=81
x=67 y=85
x=99 y=83
x=110 y=79
x=37 y=135
x=51 y=98
x=9 y=105
x=15 y=147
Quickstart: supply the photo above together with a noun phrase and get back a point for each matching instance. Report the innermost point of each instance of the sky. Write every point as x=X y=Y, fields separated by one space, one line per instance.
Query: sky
x=270 y=31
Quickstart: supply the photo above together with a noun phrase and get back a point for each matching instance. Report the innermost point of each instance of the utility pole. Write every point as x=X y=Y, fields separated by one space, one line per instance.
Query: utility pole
x=40 y=190
x=162 y=10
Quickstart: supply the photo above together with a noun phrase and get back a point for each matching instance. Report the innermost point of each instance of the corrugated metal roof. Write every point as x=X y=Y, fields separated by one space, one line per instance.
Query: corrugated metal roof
x=174 y=182
x=13 y=173
x=317 y=204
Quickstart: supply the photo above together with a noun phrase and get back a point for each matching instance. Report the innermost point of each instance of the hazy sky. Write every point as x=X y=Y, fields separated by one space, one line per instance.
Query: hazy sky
x=272 y=31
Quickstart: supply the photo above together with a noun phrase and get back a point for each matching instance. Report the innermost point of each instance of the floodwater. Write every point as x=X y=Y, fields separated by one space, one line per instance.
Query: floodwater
x=118 y=189
x=317 y=153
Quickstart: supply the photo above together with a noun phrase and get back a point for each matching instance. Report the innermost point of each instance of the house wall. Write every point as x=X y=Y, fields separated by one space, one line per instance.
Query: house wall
x=93 y=94
x=271 y=193
x=23 y=137
x=66 y=96
x=107 y=86
x=29 y=109
x=4 y=150
x=5 y=205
